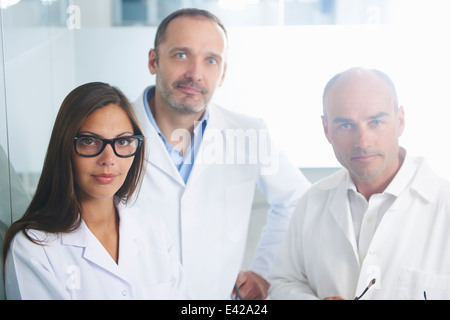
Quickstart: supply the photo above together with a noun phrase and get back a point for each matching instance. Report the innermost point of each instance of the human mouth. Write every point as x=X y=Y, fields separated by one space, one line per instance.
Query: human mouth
x=104 y=178
x=189 y=87
x=189 y=90
x=363 y=158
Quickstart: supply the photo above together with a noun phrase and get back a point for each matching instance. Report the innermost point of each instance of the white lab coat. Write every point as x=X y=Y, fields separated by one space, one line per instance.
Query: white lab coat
x=76 y=266
x=408 y=255
x=208 y=217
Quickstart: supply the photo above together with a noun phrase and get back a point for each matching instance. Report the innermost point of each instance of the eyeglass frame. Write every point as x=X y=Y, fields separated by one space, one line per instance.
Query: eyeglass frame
x=105 y=142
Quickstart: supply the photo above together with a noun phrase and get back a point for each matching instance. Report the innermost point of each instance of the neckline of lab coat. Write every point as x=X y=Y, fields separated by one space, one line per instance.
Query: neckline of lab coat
x=161 y=158
x=94 y=251
x=420 y=178
x=425 y=181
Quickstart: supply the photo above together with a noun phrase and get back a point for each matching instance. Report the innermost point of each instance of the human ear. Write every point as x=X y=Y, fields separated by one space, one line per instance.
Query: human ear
x=401 y=120
x=152 y=61
x=325 y=128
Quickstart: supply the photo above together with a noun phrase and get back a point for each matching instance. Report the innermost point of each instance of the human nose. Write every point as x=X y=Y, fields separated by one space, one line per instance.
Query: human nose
x=107 y=157
x=195 y=71
x=363 y=138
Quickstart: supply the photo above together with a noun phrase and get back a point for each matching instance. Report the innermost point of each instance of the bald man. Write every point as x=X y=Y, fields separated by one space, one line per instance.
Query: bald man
x=378 y=228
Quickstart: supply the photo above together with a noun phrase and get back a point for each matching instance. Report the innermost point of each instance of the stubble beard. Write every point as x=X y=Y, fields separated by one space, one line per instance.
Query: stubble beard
x=181 y=107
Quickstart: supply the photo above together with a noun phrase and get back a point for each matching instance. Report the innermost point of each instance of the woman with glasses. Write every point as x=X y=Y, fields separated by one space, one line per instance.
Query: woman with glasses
x=77 y=239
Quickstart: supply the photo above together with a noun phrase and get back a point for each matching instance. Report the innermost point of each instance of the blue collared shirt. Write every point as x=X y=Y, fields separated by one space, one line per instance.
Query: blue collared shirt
x=183 y=164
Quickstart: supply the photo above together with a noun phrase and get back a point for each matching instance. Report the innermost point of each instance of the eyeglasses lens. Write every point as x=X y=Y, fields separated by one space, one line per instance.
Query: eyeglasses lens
x=92 y=146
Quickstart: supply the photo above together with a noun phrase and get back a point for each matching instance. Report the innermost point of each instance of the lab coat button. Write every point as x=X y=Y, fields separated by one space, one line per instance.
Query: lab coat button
x=124 y=293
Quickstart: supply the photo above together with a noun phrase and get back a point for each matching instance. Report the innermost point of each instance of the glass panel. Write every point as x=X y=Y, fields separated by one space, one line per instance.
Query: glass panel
x=37 y=71
x=231 y=12
x=5 y=196
x=291 y=48
x=38 y=54
x=276 y=70
x=280 y=12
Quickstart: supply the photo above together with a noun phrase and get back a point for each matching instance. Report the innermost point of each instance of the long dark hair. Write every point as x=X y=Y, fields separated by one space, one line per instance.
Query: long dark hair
x=55 y=207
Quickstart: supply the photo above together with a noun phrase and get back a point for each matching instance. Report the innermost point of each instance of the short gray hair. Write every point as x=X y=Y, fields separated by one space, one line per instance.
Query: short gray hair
x=186 y=12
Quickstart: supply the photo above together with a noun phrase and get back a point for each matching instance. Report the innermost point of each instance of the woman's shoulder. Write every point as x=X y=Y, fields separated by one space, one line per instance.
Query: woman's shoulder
x=31 y=238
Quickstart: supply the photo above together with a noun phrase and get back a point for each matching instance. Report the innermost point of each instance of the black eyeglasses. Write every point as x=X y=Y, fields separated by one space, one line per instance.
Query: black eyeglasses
x=90 y=146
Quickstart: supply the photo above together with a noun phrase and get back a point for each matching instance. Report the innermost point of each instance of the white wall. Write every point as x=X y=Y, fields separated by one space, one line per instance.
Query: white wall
x=275 y=72
x=278 y=73
x=38 y=76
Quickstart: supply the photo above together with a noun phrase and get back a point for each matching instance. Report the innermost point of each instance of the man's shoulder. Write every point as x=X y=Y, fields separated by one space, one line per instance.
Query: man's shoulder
x=332 y=181
x=235 y=118
x=427 y=182
x=327 y=185
x=139 y=102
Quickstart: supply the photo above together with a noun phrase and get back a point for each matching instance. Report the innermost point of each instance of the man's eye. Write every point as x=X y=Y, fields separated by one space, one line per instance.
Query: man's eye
x=212 y=61
x=181 y=55
x=345 y=126
x=376 y=122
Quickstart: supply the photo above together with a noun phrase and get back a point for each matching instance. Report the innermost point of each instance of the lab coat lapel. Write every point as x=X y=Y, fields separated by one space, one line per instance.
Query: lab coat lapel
x=128 y=242
x=94 y=252
x=213 y=145
x=425 y=184
x=97 y=254
x=157 y=154
x=339 y=209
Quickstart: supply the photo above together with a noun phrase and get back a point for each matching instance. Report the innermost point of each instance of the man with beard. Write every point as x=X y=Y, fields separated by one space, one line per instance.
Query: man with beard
x=204 y=162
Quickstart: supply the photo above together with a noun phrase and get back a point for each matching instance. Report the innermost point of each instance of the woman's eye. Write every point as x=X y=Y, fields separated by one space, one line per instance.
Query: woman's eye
x=88 y=141
x=123 y=142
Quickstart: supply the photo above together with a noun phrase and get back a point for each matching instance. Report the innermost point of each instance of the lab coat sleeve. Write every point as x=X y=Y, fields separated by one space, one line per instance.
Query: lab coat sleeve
x=288 y=279
x=28 y=273
x=283 y=185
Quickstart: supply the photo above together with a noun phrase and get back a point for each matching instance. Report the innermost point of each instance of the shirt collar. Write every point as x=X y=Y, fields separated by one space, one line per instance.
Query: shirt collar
x=149 y=93
x=403 y=177
x=400 y=181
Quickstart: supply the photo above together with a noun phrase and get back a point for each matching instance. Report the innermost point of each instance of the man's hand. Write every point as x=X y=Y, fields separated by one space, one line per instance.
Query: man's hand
x=252 y=286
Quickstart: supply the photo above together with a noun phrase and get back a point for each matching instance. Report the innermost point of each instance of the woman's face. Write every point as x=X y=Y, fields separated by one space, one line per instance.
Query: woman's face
x=100 y=177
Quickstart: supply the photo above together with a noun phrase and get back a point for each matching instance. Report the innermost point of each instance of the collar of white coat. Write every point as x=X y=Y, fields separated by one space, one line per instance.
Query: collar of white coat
x=80 y=236
x=144 y=99
x=219 y=120
x=415 y=174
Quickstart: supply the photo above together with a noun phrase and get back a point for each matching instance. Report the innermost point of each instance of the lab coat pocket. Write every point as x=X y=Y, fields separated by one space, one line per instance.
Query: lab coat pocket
x=239 y=199
x=419 y=285
x=160 y=291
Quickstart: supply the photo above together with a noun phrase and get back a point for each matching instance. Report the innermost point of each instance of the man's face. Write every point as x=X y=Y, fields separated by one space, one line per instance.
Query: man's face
x=363 y=127
x=189 y=63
